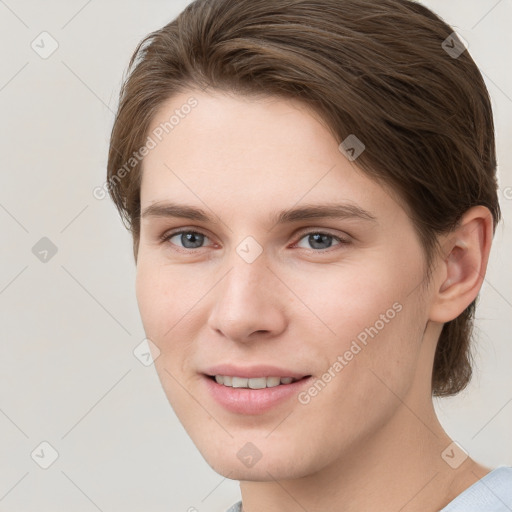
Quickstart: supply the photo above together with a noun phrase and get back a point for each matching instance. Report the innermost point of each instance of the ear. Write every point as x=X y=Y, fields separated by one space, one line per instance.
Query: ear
x=461 y=266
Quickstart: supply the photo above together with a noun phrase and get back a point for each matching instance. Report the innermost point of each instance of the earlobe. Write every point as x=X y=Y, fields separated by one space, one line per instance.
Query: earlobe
x=461 y=271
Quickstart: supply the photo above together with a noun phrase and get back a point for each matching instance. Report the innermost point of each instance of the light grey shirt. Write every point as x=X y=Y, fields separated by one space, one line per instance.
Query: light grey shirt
x=492 y=493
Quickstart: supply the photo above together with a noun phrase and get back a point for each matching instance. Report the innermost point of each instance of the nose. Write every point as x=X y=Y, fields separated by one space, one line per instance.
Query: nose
x=249 y=303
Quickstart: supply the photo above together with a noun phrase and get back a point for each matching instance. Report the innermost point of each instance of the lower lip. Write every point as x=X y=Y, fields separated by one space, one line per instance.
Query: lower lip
x=253 y=401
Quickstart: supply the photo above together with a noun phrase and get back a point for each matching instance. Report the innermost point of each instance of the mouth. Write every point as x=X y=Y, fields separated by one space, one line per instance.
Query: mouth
x=232 y=381
x=255 y=395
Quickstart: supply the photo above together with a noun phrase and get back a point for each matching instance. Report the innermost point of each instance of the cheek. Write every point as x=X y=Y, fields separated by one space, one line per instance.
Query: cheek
x=375 y=319
x=164 y=296
x=167 y=299
x=150 y=298
x=356 y=300
x=163 y=310
x=363 y=383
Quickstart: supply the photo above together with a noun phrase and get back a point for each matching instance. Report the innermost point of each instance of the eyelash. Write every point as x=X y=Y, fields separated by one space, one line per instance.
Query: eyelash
x=167 y=236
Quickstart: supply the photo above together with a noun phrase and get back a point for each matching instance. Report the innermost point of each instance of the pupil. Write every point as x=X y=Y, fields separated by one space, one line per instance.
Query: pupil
x=318 y=238
x=195 y=239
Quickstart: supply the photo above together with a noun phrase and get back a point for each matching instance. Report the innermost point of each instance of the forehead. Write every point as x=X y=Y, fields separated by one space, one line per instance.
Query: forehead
x=249 y=154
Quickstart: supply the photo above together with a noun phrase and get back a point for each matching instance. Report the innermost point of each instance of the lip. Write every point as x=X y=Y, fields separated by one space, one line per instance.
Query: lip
x=253 y=401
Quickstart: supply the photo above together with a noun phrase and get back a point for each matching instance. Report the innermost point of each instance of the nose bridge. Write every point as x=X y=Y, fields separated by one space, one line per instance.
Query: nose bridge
x=248 y=262
x=244 y=301
x=248 y=277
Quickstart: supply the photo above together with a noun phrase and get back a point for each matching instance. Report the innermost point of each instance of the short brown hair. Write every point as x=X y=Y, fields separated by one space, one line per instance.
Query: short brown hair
x=378 y=69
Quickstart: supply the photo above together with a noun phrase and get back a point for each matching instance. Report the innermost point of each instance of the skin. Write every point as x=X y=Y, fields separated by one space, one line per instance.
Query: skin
x=370 y=440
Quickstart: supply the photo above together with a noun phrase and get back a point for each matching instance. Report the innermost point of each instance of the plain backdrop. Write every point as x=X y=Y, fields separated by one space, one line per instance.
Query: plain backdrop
x=69 y=318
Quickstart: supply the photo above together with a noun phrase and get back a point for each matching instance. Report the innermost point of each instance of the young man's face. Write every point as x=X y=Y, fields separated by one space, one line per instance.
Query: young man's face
x=337 y=302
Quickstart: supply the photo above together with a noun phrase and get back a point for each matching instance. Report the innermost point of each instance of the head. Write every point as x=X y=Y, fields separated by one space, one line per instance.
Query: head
x=238 y=114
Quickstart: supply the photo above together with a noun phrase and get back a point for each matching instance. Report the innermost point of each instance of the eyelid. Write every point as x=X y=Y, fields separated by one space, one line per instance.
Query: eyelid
x=169 y=234
x=343 y=240
x=323 y=231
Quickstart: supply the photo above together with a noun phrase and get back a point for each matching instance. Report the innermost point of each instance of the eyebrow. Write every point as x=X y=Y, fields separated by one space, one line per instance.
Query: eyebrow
x=306 y=212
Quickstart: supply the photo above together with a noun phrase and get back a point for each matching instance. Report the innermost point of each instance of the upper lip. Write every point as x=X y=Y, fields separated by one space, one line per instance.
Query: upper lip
x=250 y=372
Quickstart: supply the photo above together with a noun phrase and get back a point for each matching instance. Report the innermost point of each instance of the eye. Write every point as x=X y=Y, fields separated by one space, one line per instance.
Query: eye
x=319 y=240
x=191 y=239
x=186 y=239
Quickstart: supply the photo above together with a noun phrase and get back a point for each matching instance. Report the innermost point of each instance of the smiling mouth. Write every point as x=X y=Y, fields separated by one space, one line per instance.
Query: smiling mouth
x=253 y=383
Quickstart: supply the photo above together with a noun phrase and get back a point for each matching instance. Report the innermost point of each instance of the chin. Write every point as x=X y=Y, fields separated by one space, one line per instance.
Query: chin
x=261 y=472
x=276 y=465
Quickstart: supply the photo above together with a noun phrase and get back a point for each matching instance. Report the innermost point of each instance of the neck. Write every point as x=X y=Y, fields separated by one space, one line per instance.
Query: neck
x=400 y=468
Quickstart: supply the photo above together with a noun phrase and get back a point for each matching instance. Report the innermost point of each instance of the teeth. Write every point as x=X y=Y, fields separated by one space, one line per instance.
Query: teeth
x=273 y=382
x=255 y=383
x=239 y=382
x=259 y=383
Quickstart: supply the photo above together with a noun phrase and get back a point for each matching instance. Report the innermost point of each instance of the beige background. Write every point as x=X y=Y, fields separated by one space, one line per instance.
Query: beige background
x=69 y=325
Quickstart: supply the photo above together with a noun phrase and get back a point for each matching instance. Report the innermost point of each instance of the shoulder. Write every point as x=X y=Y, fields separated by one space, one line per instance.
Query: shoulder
x=237 y=507
x=492 y=493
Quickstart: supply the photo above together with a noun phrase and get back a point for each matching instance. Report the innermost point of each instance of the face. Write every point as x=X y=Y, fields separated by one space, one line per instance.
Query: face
x=243 y=273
